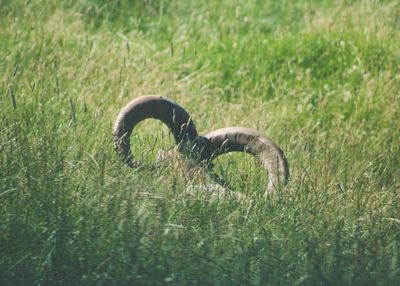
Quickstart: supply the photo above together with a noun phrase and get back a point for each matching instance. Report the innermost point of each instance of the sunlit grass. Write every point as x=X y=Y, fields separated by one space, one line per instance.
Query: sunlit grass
x=321 y=78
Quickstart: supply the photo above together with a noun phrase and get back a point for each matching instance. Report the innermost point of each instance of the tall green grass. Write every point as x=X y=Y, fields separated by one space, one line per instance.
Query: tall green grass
x=321 y=78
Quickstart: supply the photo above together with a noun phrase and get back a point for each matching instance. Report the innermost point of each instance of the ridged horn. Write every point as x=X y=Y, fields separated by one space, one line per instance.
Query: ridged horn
x=240 y=139
x=169 y=112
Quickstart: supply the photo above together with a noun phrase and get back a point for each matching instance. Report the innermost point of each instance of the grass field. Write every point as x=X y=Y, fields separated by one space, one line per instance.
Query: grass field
x=322 y=78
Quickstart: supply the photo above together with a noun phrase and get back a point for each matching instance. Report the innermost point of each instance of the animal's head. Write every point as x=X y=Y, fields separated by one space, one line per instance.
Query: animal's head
x=198 y=149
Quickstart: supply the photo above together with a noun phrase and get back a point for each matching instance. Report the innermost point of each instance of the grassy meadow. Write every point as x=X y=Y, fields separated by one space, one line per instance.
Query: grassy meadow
x=321 y=78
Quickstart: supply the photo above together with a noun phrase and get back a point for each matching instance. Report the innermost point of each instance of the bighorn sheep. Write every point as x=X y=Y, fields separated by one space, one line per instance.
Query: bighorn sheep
x=199 y=148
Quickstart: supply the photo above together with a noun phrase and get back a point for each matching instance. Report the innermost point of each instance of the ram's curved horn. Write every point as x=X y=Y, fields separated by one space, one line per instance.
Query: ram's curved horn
x=247 y=140
x=152 y=106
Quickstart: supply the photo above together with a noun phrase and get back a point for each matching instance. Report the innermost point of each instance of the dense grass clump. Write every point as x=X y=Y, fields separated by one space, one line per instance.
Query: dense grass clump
x=322 y=78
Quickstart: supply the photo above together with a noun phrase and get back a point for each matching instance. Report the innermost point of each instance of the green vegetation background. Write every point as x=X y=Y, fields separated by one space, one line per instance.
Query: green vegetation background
x=322 y=78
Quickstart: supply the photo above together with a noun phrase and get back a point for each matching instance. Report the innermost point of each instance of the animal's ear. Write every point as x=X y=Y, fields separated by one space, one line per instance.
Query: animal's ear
x=240 y=139
x=152 y=106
